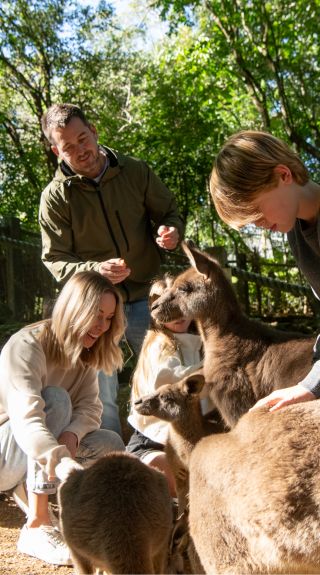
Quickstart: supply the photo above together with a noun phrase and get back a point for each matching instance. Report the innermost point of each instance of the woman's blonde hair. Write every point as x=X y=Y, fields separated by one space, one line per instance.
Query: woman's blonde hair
x=74 y=312
x=245 y=167
x=156 y=331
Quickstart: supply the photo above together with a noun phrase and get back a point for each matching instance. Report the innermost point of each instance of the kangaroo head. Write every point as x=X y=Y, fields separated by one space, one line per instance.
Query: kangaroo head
x=195 y=292
x=172 y=400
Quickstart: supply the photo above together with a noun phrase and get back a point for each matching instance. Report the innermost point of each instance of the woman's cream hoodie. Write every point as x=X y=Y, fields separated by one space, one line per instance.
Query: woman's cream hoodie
x=24 y=372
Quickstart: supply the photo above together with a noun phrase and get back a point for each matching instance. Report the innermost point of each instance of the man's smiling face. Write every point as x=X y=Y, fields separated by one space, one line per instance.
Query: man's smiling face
x=76 y=144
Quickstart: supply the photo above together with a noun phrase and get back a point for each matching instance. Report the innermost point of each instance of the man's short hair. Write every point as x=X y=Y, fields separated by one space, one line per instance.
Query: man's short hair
x=58 y=116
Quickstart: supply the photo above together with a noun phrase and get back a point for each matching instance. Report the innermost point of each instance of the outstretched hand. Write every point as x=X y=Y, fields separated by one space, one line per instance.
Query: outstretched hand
x=281 y=397
x=65 y=467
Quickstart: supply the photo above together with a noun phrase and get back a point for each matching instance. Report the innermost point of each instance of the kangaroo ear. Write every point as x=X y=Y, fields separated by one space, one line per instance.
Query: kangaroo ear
x=194 y=383
x=198 y=260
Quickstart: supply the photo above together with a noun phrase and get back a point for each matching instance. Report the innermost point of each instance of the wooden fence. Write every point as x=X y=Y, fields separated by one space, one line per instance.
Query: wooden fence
x=26 y=285
x=263 y=296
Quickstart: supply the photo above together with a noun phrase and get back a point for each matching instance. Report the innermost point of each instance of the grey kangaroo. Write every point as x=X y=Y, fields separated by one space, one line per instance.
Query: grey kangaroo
x=179 y=403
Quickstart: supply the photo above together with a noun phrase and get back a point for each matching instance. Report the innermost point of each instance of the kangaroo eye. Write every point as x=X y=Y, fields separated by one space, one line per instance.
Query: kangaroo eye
x=186 y=288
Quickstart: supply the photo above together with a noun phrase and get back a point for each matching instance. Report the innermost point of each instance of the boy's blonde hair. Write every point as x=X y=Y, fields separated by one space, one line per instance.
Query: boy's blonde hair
x=245 y=167
x=75 y=310
x=156 y=331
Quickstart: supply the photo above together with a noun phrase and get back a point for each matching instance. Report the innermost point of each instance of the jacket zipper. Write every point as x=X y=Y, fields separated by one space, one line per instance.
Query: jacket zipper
x=108 y=223
x=111 y=234
x=122 y=229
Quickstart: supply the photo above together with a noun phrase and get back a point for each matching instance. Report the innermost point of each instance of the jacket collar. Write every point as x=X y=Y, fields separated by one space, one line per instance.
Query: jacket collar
x=64 y=172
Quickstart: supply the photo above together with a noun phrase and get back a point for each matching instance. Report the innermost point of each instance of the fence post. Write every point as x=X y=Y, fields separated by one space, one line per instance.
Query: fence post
x=220 y=253
x=256 y=268
x=242 y=284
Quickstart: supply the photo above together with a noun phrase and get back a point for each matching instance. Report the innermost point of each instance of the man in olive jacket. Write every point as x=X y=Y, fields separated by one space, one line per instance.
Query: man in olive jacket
x=107 y=212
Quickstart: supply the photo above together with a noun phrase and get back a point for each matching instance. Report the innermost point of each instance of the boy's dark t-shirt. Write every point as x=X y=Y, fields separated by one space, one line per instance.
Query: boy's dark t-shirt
x=305 y=246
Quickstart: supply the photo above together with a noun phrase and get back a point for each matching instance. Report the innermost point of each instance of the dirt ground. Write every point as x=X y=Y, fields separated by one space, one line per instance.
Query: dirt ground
x=12 y=519
x=11 y=561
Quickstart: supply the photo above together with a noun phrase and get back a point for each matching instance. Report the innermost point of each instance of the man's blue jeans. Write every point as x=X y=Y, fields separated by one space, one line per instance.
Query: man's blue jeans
x=16 y=467
x=138 y=318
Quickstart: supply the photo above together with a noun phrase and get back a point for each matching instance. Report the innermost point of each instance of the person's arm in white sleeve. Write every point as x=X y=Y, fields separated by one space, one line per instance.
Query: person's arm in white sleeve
x=24 y=366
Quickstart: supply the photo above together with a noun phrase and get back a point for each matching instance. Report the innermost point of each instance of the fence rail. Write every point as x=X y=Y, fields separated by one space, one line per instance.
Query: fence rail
x=261 y=295
x=26 y=285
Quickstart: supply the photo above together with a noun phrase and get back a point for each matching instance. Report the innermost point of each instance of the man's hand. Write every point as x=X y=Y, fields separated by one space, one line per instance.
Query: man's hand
x=70 y=440
x=281 y=397
x=168 y=237
x=115 y=270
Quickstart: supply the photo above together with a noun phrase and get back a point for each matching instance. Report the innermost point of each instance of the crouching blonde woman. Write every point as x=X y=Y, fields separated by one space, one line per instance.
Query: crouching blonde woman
x=49 y=404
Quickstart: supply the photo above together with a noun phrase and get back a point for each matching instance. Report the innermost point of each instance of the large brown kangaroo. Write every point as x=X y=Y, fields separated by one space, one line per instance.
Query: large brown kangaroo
x=117 y=516
x=254 y=501
x=244 y=359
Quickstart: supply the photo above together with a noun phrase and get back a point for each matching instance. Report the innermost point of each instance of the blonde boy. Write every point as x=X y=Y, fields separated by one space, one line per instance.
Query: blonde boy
x=258 y=179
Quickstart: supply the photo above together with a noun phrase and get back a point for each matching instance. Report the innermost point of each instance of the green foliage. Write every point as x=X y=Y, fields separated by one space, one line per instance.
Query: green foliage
x=49 y=52
x=272 y=49
x=181 y=110
x=224 y=66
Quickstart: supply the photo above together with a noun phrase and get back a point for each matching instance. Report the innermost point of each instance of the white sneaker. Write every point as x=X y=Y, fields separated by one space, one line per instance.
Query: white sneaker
x=20 y=496
x=45 y=543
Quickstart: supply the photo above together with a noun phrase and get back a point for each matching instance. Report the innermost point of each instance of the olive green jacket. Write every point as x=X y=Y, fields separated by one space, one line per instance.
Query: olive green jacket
x=84 y=223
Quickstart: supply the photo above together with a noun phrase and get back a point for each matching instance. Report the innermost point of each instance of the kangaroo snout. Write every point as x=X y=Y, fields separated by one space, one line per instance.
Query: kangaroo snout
x=146 y=405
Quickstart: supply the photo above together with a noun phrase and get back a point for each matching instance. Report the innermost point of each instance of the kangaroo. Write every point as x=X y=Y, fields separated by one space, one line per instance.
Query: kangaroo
x=116 y=516
x=244 y=360
x=179 y=403
x=254 y=501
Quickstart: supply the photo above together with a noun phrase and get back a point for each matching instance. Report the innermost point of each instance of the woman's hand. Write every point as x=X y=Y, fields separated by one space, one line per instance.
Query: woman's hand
x=281 y=397
x=70 y=440
x=65 y=467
